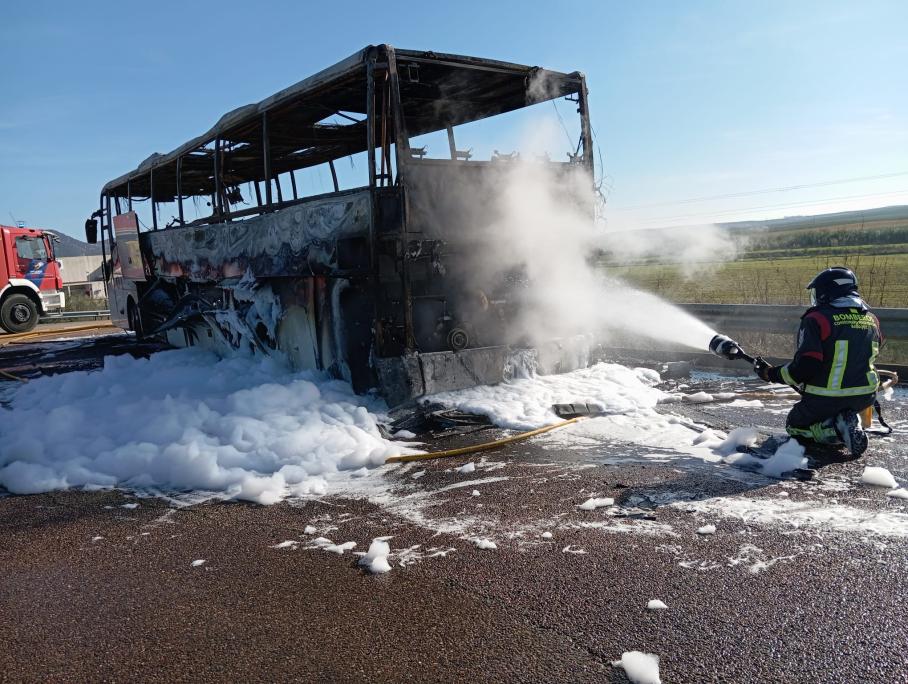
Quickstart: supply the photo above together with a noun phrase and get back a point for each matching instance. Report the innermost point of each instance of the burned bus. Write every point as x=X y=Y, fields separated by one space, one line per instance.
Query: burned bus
x=259 y=236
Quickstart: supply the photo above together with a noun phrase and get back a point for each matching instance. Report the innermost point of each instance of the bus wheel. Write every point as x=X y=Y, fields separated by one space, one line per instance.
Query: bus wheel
x=18 y=313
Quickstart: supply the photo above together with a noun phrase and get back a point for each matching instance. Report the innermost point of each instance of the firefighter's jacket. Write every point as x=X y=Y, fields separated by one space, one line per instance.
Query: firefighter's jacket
x=837 y=347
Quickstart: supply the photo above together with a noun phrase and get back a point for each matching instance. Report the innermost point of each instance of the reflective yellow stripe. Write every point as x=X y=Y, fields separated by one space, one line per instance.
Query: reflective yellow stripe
x=872 y=374
x=840 y=391
x=839 y=360
x=786 y=376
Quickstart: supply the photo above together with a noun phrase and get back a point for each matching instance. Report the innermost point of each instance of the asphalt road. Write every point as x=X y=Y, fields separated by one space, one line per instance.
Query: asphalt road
x=802 y=581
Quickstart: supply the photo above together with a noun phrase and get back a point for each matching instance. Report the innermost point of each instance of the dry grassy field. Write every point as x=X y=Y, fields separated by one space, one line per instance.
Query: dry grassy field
x=774 y=266
x=883 y=278
x=776 y=259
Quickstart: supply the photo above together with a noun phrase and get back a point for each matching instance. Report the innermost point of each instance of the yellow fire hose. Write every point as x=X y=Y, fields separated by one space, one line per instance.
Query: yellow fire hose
x=481 y=447
x=38 y=334
x=20 y=338
x=891 y=379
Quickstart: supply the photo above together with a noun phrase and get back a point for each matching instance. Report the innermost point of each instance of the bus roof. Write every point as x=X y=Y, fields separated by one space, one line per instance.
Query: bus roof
x=437 y=90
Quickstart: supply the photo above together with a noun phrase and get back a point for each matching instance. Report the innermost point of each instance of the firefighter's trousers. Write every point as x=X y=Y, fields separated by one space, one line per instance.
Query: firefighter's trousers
x=814 y=417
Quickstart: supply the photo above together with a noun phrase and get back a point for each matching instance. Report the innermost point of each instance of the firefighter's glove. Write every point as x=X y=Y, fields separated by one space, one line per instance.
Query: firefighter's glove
x=762 y=368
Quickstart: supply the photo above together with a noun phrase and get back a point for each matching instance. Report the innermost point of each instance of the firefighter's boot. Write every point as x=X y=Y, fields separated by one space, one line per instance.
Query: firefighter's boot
x=848 y=425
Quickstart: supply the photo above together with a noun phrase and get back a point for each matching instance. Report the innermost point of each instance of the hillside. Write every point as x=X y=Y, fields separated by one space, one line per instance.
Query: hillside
x=881 y=231
x=69 y=246
x=897 y=215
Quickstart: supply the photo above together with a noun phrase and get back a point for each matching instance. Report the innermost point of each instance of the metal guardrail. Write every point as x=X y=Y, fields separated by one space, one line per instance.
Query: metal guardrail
x=768 y=318
x=778 y=318
x=76 y=315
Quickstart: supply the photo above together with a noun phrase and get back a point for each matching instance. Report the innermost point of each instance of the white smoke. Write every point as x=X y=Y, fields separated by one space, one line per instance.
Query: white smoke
x=693 y=249
x=545 y=226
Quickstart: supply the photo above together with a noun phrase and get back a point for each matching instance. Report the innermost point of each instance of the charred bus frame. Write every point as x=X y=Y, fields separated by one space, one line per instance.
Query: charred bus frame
x=380 y=240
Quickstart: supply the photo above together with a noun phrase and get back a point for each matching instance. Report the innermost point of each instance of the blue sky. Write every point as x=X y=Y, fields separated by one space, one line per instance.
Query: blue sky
x=689 y=99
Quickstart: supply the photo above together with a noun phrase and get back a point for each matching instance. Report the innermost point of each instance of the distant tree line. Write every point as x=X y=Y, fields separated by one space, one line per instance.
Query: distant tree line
x=831 y=238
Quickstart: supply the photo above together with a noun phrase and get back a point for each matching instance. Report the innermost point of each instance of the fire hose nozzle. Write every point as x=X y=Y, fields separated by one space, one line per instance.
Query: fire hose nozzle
x=727 y=348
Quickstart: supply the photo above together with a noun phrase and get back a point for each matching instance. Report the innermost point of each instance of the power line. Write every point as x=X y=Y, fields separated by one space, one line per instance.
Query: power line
x=749 y=193
x=788 y=205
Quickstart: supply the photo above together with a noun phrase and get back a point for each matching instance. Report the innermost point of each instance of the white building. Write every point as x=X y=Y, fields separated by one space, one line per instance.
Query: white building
x=83 y=275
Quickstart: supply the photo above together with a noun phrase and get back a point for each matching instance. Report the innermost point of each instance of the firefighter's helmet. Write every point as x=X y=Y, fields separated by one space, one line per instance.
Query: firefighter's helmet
x=834 y=282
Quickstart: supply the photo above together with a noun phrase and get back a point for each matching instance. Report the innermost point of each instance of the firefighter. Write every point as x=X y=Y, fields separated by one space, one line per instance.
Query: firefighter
x=838 y=342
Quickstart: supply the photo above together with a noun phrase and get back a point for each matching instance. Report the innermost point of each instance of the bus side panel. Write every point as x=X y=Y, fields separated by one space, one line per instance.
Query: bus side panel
x=288 y=284
x=296 y=241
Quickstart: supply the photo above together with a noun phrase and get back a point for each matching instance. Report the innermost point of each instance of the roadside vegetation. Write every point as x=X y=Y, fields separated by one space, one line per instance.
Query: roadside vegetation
x=79 y=302
x=774 y=265
x=776 y=259
x=884 y=279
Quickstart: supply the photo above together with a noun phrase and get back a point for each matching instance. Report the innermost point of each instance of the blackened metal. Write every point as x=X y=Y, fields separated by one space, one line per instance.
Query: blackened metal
x=333 y=175
x=451 y=144
x=266 y=153
x=154 y=206
x=218 y=207
x=105 y=201
x=370 y=120
x=403 y=152
x=253 y=211
x=585 y=130
x=292 y=243
x=363 y=275
x=488 y=87
x=385 y=175
x=180 y=188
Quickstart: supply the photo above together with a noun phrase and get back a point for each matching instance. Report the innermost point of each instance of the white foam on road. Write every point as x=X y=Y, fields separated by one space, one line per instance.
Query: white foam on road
x=376 y=558
x=878 y=477
x=526 y=403
x=288 y=544
x=698 y=398
x=746 y=403
x=656 y=604
x=756 y=560
x=787 y=457
x=640 y=668
x=576 y=550
x=739 y=437
x=594 y=503
x=679 y=438
x=811 y=516
x=187 y=420
x=485 y=544
x=642 y=427
x=650 y=528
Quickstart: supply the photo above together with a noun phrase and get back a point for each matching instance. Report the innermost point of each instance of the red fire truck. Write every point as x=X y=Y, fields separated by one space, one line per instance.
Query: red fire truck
x=30 y=280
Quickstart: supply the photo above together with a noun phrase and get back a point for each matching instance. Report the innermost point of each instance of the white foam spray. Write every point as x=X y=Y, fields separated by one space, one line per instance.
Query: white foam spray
x=544 y=225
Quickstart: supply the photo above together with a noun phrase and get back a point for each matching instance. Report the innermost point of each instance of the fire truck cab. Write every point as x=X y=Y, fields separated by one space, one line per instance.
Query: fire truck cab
x=30 y=279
